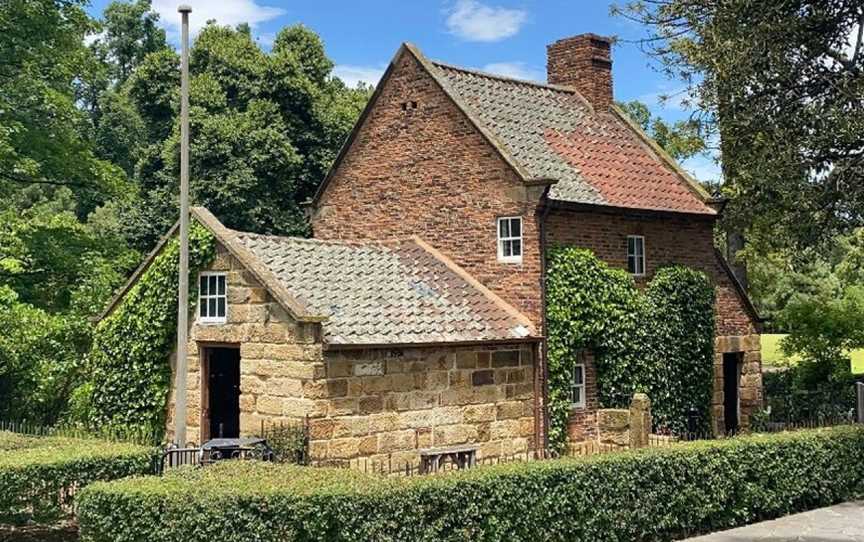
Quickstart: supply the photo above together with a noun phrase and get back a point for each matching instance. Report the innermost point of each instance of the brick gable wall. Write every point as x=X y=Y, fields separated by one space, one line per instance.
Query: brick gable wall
x=686 y=241
x=428 y=171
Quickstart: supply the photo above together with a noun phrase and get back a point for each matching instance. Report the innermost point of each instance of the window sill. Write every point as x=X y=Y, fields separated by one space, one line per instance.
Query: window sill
x=510 y=260
x=212 y=322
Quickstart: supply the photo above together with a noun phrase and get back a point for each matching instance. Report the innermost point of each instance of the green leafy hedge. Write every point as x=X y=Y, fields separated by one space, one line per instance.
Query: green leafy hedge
x=129 y=359
x=37 y=474
x=655 y=494
x=659 y=342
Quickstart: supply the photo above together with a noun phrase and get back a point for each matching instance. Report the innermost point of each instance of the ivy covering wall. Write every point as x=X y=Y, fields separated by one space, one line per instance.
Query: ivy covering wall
x=129 y=360
x=659 y=341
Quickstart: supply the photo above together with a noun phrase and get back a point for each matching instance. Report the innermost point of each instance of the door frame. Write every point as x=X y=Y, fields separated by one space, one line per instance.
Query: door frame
x=204 y=349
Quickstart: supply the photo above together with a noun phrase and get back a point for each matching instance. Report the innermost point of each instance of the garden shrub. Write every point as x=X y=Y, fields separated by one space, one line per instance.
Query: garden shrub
x=653 y=494
x=38 y=474
x=659 y=342
x=131 y=347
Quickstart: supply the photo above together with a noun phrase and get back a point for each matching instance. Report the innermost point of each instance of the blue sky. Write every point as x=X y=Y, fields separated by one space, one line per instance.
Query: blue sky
x=502 y=36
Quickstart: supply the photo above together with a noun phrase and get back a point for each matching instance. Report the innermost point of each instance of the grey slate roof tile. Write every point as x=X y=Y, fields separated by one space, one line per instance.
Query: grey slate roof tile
x=383 y=292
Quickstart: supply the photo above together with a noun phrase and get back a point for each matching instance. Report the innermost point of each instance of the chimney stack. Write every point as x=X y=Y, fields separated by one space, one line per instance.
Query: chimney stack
x=583 y=62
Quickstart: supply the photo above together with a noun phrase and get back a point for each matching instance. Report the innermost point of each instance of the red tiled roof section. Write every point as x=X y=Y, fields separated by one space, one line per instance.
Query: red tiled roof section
x=623 y=171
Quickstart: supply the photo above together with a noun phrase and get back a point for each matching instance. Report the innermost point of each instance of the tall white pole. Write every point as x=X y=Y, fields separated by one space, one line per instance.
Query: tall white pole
x=183 y=289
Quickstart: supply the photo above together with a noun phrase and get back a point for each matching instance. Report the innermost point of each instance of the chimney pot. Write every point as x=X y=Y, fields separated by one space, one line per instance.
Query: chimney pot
x=583 y=62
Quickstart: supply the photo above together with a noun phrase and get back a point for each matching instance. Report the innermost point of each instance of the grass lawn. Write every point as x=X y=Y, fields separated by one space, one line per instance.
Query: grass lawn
x=772 y=354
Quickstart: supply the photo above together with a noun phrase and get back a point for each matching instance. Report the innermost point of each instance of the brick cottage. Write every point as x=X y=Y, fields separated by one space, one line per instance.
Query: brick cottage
x=414 y=318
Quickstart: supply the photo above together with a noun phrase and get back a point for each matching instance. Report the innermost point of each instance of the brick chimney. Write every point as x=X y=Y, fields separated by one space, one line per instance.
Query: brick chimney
x=583 y=62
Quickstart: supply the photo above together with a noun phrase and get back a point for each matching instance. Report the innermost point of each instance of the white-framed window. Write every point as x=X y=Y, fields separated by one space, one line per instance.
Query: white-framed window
x=636 y=255
x=212 y=298
x=510 y=239
x=577 y=386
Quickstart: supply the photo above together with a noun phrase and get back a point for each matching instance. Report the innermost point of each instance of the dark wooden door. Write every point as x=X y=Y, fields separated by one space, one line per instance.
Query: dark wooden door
x=731 y=385
x=224 y=392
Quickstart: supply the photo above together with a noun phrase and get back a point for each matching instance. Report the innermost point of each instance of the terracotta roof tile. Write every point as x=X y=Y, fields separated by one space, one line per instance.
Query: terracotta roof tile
x=552 y=132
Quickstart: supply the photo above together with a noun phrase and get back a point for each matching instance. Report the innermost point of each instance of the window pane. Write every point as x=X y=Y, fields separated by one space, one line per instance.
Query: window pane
x=203 y=285
x=631 y=264
x=517 y=247
x=631 y=246
x=221 y=283
x=507 y=248
x=211 y=310
x=640 y=247
x=202 y=307
x=578 y=375
x=577 y=395
x=516 y=227
x=503 y=228
x=221 y=307
x=212 y=287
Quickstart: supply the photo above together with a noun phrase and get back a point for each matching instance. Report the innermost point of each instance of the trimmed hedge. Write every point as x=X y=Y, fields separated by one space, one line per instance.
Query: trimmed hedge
x=654 y=494
x=38 y=475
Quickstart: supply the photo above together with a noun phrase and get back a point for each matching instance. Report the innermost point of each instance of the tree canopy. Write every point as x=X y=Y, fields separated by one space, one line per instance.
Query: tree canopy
x=782 y=84
x=89 y=147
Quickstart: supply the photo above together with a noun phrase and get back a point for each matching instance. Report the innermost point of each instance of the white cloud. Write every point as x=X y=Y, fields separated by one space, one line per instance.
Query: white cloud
x=516 y=70
x=352 y=75
x=224 y=12
x=473 y=21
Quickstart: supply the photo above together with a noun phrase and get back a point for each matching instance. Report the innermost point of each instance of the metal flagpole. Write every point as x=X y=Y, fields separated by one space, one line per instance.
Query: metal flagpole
x=183 y=288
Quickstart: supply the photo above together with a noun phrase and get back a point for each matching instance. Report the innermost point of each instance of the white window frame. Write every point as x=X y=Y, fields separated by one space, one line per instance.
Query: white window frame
x=640 y=239
x=510 y=238
x=582 y=387
x=202 y=299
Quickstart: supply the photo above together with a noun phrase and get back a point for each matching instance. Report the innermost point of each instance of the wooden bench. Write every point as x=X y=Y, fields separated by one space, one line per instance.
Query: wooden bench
x=461 y=457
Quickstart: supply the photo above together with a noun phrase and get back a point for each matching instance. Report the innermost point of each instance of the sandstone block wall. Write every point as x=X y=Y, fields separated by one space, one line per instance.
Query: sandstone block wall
x=386 y=405
x=280 y=359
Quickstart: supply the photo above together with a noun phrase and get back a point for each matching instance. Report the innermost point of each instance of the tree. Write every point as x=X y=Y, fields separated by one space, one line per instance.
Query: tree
x=782 y=83
x=42 y=131
x=682 y=139
x=130 y=34
x=265 y=128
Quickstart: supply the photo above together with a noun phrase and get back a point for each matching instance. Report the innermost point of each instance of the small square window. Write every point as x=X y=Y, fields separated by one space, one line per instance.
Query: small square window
x=636 y=255
x=212 y=298
x=577 y=386
x=510 y=239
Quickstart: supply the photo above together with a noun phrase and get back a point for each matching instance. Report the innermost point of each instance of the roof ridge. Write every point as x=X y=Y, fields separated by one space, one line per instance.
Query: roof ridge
x=312 y=240
x=507 y=78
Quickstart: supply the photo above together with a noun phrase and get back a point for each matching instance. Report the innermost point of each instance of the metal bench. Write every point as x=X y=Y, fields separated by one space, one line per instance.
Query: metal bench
x=434 y=459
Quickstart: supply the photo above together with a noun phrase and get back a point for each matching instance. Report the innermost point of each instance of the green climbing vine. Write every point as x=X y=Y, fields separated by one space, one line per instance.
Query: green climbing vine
x=659 y=341
x=130 y=374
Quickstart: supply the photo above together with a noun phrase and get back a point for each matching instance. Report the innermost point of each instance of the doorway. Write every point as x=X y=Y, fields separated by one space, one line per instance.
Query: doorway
x=223 y=391
x=731 y=385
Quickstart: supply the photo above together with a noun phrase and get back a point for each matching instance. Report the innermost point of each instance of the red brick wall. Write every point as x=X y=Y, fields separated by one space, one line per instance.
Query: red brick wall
x=429 y=172
x=679 y=240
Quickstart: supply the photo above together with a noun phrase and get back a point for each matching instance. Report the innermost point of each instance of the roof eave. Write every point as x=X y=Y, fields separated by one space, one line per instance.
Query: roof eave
x=433 y=344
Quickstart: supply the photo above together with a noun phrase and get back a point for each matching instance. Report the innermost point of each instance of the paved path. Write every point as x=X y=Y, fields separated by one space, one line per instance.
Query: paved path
x=840 y=523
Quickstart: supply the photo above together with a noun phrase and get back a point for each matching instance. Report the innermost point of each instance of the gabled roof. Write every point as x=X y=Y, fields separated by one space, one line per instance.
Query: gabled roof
x=370 y=293
x=551 y=134
x=386 y=292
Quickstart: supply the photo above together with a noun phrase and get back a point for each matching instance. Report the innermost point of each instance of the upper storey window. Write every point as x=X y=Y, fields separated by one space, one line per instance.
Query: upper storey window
x=636 y=255
x=510 y=239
